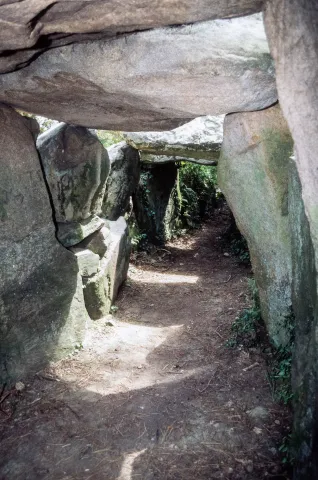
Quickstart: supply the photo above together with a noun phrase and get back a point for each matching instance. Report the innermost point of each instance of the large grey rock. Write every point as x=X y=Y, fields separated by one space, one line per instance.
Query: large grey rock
x=41 y=299
x=29 y=27
x=154 y=202
x=150 y=80
x=76 y=167
x=87 y=261
x=304 y=295
x=292 y=29
x=253 y=175
x=122 y=180
x=101 y=290
x=160 y=159
x=97 y=242
x=199 y=139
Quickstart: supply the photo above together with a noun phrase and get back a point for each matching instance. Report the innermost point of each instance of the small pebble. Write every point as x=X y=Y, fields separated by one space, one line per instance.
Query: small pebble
x=19 y=386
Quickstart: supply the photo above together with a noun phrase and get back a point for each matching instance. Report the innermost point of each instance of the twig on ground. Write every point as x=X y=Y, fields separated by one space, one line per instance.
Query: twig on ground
x=246 y=369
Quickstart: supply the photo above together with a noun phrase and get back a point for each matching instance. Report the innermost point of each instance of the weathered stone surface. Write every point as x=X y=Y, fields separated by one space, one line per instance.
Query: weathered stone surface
x=122 y=180
x=154 y=202
x=97 y=242
x=161 y=159
x=41 y=300
x=76 y=167
x=72 y=233
x=292 y=29
x=29 y=27
x=200 y=139
x=87 y=261
x=304 y=296
x=150 y=80
x=253 y=175
x=101 y=290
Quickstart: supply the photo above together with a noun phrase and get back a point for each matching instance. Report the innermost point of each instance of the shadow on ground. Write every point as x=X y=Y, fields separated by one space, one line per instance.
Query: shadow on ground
x=157 y=396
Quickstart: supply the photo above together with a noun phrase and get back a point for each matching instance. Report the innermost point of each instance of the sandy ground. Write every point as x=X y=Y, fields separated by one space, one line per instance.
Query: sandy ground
x=157 y=395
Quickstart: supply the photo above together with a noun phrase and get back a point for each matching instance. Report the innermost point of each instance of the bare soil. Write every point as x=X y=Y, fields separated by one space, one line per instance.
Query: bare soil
x=157 y=396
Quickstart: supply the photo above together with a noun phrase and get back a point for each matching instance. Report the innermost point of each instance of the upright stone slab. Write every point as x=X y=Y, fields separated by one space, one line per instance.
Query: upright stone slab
x=41 y=300
x=253 y=175
x=292 y=30
x=122 y=181
x=304 y=295
x=76 y=167
x=100 y=290
x=154 y=202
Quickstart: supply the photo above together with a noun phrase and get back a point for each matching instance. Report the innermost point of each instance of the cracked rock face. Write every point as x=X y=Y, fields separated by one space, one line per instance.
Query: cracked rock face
x=76 y=167
x=30 y=26
x=152 y=80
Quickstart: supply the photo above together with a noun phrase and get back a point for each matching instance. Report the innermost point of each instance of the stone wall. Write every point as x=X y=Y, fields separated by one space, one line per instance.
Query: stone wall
x=253 y=175
x=44 y=313
x=292 y=30
x=41 y=300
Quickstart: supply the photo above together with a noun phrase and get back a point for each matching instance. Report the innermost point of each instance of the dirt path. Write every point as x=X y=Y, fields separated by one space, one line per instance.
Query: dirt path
x=157 y=396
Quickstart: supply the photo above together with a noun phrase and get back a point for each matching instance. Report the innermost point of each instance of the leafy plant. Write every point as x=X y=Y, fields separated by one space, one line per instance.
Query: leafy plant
x=108 y=138
x=287 y=449
x=244 y=327
x=240 y=249
x=196 y=192
x=279 y=373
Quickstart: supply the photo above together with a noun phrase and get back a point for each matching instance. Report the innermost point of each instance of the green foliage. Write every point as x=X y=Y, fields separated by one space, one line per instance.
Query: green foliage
x=280 y=366
x=196 y=192
x=239 y=248
x=138 y=239
x=44 y=123
x=287 y=449
x=108 y=138
x=244 y=327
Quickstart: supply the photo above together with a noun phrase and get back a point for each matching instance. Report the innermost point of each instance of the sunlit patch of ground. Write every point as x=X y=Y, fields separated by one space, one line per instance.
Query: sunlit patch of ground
x=156 y=396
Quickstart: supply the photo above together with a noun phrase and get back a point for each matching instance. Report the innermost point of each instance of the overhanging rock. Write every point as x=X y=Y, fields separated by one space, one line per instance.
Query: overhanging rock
x=198 y=141
x=29 y=27
x=152 y=80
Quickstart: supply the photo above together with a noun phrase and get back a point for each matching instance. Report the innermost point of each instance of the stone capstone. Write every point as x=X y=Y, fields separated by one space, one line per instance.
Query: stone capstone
x=76 y=167
x=154 y=203
x=253 y=175
x=122 y=180
x=101 y=289
x=198 y=141
x=161 y=159
x=41 y=300
x=151 y=80
x=29 y=27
